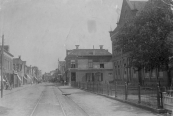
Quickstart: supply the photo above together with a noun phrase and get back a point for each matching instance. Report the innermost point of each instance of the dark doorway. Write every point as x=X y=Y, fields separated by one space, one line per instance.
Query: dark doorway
x=73 y=76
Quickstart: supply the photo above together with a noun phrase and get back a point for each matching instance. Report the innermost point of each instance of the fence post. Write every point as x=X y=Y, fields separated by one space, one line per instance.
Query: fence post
x=125 y=91
x=102 y=88
x=87 y=85
x=158 y=96
x=107 y=89
x=139 y=93
x=93 y=86
x=97 y=87
x=115 y=89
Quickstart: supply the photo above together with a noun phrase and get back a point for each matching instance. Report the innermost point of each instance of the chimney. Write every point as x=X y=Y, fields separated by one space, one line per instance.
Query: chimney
x=77 y=46
x=19 y=57
x=6 y=47
x=101 y=46
x=93 y=46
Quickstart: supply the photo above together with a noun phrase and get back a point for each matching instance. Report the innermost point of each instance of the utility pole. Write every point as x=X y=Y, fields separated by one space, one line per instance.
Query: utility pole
x=2 y=49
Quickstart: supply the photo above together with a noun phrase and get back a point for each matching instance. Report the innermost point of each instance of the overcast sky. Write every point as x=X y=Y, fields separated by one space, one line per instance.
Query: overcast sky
x=41 y=30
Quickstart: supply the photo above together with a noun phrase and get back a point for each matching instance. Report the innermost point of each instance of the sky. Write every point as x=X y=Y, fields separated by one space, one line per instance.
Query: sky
x=40 y=31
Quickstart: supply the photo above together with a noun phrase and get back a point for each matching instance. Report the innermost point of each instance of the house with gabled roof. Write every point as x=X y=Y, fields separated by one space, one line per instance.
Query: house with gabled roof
x=121 y=72
x=88 y=65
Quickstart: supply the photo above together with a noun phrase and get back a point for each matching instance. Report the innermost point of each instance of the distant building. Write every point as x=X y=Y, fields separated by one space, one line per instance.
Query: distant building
x=47 y=77
x=35 y=73
x=7 y=65
x=19 y=71
x=89 y=65
x=61 y=70
x=27 y=76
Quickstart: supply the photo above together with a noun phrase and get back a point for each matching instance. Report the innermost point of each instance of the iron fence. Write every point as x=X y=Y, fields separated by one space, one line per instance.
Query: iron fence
x=168 y=99
x=148 y=96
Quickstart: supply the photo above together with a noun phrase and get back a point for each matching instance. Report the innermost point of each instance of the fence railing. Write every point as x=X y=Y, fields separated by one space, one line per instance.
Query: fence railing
x=148 y=96
x=168 y=99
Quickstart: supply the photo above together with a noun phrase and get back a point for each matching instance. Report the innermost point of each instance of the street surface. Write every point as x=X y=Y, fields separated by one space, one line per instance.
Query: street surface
x=47 y=99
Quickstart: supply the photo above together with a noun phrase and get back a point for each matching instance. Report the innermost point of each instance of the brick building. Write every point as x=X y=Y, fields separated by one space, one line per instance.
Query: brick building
x=86 y=65
x=121 y=72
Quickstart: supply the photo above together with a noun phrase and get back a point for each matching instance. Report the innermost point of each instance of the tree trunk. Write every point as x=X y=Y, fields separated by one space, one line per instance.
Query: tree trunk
x=140 y=76
x=169 y=75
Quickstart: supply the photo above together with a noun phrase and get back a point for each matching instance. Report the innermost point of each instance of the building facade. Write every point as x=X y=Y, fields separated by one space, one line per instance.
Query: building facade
x=7 y=65
x=121 y=72
x=27 y=75
x=35 y=72
x=61 y=71
x=19 y=71
x=89 y=65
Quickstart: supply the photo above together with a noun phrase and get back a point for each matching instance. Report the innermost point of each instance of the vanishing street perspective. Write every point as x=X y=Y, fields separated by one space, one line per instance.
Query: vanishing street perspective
x=86 y=57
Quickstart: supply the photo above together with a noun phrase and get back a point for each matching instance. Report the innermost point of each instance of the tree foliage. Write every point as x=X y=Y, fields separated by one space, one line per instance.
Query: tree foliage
x=148 y=37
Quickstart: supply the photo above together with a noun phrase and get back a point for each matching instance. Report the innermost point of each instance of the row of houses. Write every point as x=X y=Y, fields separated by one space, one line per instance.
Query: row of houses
x=16 y=72
x=99 y=65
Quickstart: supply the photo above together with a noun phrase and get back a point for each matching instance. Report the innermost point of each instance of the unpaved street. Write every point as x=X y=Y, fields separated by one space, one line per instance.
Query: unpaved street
x=47 y=99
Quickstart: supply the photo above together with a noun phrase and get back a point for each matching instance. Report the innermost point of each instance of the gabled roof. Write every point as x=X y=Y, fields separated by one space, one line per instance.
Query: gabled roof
x=89 y=52
x=62 y=63
x=137 y=5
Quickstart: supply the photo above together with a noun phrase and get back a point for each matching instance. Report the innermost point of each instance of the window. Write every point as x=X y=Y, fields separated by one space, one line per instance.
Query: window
x=21 y=67
x=125 y=71
x=14 y=67
x=90 y=53
x=101 y=76
x=93 y=77
x=115 y=70
x=110 y=74
x=101 y=65
x=73 y=64
x=118 y=70
x=90 y=63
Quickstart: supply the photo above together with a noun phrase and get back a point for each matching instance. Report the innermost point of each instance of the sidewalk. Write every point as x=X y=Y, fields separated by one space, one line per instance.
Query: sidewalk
x=131 y=99
x=6 y=92
x=96 y=103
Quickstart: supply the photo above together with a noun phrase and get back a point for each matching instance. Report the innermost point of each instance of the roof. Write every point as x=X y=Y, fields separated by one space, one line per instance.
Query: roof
x=89 y=52
x=7 y=52
x=62 y=63
x=137 y=5
x=134 y=5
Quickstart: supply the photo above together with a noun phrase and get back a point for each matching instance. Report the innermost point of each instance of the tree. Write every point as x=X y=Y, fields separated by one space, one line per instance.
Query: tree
x=148 y=36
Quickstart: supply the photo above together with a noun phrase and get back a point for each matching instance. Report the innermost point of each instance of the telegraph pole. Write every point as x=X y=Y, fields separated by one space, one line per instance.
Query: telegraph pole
x=2 y=49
